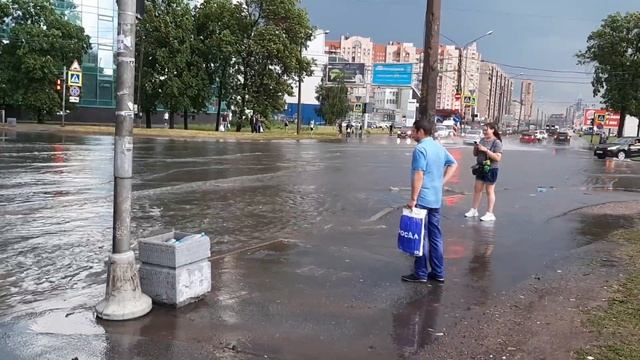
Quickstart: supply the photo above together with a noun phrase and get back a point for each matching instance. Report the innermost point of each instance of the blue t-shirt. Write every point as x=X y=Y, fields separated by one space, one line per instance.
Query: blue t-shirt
x=431 y=158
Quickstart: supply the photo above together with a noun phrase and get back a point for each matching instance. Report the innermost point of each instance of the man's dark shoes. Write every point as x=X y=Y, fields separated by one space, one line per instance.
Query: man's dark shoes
x=413 y=278
x=432 y=277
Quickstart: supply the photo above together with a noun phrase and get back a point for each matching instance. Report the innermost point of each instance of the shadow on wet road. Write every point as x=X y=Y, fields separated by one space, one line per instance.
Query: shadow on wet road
x=327 y=282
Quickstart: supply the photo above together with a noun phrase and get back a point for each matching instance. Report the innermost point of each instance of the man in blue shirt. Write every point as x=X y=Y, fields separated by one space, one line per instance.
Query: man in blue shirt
x=431 y=167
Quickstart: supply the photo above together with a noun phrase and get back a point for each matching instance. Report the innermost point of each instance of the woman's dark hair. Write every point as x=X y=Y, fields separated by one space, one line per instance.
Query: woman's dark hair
x=496 y=131
x=425 y=125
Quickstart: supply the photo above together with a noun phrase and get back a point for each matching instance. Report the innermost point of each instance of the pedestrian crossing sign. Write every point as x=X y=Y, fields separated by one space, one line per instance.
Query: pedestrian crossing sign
x=75 y=78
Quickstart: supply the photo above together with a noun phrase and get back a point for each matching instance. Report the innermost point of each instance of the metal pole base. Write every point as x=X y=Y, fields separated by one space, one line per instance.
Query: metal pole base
x=124 y=299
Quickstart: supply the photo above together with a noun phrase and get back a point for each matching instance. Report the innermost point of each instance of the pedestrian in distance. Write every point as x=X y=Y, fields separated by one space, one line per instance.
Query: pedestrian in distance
x=431 y=168
x=286 y=125
x=311 y=126
x=488 y=153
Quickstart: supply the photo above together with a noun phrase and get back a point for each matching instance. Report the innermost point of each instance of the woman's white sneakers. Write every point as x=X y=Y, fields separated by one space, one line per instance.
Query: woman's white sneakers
x=472 y=213
x=488 y=217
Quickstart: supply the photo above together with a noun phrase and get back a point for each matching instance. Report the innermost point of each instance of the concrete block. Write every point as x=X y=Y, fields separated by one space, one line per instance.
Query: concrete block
x=176 y=287
x=156 y=250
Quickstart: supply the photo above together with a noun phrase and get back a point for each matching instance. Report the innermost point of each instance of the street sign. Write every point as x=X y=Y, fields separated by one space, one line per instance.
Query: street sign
x=75 y=66
x=74 y=99
x=469 y=100
x=457 y=96
x=75 y=78
x=74 y=91
x=357 y=108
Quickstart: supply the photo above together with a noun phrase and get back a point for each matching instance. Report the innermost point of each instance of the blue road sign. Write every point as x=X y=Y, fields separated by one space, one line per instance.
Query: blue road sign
x=393 y=74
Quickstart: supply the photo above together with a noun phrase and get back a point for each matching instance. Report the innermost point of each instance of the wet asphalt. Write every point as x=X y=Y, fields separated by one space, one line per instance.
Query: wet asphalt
x=303 y=235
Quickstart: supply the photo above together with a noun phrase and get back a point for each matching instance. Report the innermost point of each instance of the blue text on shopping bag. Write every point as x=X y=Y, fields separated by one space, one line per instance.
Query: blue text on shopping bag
x=411 y=232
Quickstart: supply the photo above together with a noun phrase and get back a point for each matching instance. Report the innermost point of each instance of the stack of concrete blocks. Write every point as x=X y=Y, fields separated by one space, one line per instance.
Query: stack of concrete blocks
x=175 y=272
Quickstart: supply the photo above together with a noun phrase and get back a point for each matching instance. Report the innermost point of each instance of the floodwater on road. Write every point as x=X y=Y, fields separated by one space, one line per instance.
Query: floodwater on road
x=327 y=279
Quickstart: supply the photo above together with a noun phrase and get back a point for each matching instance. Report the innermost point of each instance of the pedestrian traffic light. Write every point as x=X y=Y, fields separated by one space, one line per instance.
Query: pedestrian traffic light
x=58 y=85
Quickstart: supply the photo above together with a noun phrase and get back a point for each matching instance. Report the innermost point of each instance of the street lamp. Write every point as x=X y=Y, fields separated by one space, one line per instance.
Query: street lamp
x=459 y=87
x=299 y=114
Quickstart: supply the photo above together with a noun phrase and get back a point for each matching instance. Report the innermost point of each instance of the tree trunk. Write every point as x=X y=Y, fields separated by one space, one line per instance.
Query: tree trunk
x=623 y=115
x=172 y=123
x=186 y=119
x=147 y=115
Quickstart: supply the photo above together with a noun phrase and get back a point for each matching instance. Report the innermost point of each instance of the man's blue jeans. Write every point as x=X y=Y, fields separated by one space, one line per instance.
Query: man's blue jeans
x=435 y=248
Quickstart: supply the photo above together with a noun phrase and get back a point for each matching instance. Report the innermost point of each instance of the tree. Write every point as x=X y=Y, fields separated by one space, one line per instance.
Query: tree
x=40 y=42
x=217 y=24
x=614 y=51
x=334 y=102
x=269 y=58
x=173 y=75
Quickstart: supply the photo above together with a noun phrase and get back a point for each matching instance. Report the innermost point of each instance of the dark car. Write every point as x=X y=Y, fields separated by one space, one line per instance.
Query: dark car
x=404 y=132
x=562 y=137
x=622 y=148
x=528 y=138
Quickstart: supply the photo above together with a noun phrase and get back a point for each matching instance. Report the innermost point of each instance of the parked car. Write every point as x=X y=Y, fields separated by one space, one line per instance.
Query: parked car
x=588 y=131
x=528 y=138
x=404 y=132
x=472 y=136
x=622 y=148
x=562 y=137
x=541 y=135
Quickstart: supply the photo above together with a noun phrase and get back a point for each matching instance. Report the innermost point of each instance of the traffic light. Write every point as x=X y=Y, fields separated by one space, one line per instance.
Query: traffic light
x=58 y=84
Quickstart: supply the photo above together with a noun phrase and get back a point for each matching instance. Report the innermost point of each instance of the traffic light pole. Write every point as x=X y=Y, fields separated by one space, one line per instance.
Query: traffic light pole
x=64 y=93
x=123 y=297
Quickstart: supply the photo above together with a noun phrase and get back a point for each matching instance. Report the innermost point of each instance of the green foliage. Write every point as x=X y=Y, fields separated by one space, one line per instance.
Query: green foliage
x=334 y=102
x=614 y=51
x=39 y=44
x=173 y=75
x=271 y=36
x=217 y=26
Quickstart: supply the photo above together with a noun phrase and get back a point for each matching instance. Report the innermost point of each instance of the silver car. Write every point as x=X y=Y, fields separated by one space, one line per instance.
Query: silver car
x=472 y=136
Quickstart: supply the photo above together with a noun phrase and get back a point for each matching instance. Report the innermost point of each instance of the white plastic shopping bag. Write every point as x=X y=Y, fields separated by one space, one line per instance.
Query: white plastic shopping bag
x=411 y=233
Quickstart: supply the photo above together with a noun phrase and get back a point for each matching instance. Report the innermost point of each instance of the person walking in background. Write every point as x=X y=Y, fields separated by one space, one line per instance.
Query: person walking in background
x=286 y=125
x=312 y=124
x=488 y=153
x=431 y=167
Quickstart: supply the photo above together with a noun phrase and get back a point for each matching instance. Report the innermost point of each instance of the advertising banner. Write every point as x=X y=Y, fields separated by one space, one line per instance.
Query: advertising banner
x=399 y=75
x=350 y=73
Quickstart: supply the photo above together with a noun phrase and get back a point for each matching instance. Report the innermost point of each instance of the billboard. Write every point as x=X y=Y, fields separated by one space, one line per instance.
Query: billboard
x=611 y=120
x=393 y=74
x=350 y=73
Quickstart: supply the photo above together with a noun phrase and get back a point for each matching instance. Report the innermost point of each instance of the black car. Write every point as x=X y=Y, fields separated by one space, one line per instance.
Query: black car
x=626 y=147
x=562 y=137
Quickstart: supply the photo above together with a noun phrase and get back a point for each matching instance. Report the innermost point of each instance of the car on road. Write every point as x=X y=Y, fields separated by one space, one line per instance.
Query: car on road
x=441 y=131
x=528 y=138
x=541 y=135
x=472 y=136
x=562 y=137
x=626 y=147
x=404 y=132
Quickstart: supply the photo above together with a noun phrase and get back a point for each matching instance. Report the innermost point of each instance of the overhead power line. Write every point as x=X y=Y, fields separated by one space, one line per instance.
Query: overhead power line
x=539 y=69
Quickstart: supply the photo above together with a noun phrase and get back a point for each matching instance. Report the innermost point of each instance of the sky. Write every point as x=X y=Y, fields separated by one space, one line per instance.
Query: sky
x=542 y=34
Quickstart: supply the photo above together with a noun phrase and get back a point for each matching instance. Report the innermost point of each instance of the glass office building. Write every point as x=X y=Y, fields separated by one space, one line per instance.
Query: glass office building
x=99 y=18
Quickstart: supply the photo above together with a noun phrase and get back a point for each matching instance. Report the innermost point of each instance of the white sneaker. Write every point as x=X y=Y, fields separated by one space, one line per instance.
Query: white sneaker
x=472 y=213
x=488 y=217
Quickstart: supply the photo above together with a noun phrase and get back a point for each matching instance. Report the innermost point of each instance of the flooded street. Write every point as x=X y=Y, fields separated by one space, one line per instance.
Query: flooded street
x=304 y=258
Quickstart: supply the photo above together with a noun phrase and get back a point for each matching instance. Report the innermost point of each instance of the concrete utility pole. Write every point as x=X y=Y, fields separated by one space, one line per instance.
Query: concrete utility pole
x=299 y=120
x=429 y=90
x=123 y=298
x=521 y=101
